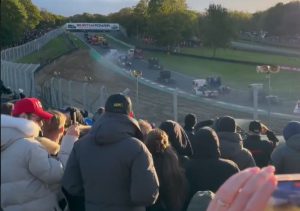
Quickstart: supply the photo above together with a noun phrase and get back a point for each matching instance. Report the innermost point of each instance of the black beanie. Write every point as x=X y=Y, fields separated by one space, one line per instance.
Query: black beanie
x=226 y=124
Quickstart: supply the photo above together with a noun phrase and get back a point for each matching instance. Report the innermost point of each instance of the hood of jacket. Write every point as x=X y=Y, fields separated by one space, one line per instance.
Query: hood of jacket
x=294 y=142
x=112 y=128
x=177 y=137
x=230 y=143
x=13 y=128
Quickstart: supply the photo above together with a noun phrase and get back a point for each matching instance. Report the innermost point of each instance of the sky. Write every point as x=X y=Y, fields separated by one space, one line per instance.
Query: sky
x=104 y=7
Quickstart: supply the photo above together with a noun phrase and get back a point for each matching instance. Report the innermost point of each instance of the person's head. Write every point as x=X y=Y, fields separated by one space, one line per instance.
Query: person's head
x=255 y=127
x=145 y=127
x=291 y=129
x=204 y=123
x=54 y=128
x=157 y=141
x=119 y=103
x=177 y=137
x=206 y=144
x=31 y=109
x=7 y=108
x=189 y=121
x=225 y=124
x=98 y=113
x=73 y=114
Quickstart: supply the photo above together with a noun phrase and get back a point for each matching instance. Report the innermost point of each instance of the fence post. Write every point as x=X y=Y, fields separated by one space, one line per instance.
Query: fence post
x=70 y=92
x=175 y=104
x=53 y=94
x=59 y=93
x=102 y=96
x=84 y=95
x=255 y=88
x=32 y=83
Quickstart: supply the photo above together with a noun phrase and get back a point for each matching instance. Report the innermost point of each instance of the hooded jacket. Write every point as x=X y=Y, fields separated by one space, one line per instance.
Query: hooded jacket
x=231 y=146
x=286 y=157
x=260 y=149
x=177 y=137
x=206 y=170
x=111 y=168
x=28 y=173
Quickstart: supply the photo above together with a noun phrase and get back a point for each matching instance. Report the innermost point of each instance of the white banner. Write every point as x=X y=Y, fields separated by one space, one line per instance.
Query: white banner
x=93 y=26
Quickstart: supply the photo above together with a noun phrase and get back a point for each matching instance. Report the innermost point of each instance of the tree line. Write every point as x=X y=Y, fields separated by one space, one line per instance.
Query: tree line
x=167 y=22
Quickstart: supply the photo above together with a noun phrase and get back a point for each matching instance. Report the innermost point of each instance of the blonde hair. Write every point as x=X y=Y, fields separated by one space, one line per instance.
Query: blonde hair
x=157 y=141
x=57 y=122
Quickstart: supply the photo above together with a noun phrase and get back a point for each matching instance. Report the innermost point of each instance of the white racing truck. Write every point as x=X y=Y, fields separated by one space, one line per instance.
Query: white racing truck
x=201 y=88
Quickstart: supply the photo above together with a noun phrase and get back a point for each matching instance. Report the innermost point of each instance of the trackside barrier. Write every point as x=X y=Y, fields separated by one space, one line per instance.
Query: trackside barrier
x=15 y=53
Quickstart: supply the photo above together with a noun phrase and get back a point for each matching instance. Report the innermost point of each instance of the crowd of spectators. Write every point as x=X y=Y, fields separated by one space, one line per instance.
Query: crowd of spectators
x=64 y=160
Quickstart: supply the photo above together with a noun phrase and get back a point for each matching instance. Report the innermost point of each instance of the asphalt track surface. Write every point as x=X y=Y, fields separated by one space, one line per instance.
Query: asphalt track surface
x=182 y=82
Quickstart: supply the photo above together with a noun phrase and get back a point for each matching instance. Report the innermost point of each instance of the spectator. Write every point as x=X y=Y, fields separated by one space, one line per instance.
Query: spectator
x=178 y=139
x=261 y=149
x=173 y=188
x=190 y=121
x=7 y=108
x=206 y=170
x=98 y=113
x=110 y=167
x=54 y=139
x=73 y=115
x=145 y=128
x=28 y=173
x=286 y=157
x=231 y=144
x=205 y=123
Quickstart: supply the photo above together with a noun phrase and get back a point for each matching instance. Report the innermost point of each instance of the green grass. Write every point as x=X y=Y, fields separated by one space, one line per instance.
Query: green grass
x=245 y=56
x=78 y=43
x=238 y=76
x=54 y=48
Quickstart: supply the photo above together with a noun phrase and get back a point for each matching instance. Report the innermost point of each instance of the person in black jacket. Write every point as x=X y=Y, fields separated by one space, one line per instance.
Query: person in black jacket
x=206 y=170
x=190 y=121
x=178 y=139
x=173 y=190
x=110 y=168
x=261 y=149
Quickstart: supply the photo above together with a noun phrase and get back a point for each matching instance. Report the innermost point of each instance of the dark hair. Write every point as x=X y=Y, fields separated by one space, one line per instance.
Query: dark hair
x=74 y=111
x=206 y=144
x=190 y=121
x=173 y=184
x=7 y=108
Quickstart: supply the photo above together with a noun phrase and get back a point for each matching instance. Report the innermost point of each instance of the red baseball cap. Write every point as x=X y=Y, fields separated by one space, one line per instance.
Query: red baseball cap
x=31 y=105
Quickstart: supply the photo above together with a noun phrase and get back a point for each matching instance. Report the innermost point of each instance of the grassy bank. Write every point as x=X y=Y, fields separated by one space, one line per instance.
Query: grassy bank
x=54 y=48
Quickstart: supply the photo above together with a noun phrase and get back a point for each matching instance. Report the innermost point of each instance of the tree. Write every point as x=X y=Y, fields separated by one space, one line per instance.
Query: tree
x=13 y=21
x=173 y=28
x=165 y=7
x=33 y=14
x=217 y=30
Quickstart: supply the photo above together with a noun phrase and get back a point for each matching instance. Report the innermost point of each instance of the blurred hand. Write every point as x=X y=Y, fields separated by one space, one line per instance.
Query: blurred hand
x=73 y=130
x=271 y=136
x=247 y=190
